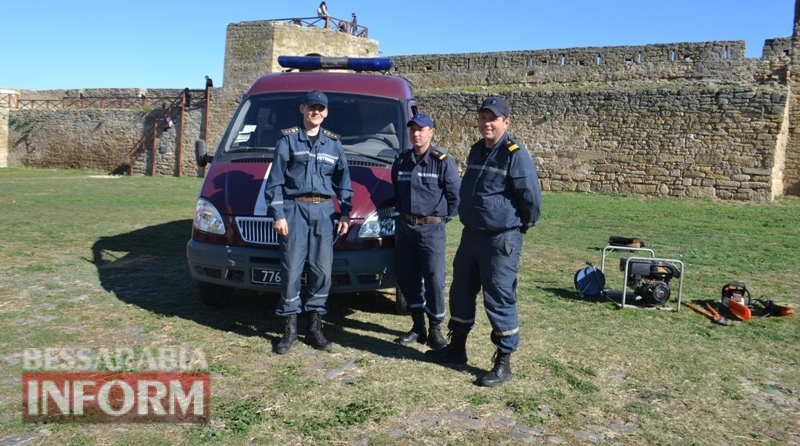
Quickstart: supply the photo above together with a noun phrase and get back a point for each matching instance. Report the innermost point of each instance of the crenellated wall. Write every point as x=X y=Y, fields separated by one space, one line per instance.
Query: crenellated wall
x=707 y=61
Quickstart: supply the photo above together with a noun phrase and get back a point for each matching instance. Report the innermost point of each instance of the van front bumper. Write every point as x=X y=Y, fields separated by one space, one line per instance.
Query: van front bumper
x=233 y=266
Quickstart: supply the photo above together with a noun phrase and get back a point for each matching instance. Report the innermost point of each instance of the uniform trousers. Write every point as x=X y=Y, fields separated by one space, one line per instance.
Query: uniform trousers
x=488 y=261
x=310 y=240
x=419 y=266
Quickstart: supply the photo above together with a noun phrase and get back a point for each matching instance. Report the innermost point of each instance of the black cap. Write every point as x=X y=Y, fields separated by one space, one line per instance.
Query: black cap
x=316 y=97
x=422 y=120
x=496 y=105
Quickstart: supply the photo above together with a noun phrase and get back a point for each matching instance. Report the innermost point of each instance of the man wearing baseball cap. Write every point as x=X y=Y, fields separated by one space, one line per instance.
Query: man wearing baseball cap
x=426 y=184
x=499 y=201
x=308 y=170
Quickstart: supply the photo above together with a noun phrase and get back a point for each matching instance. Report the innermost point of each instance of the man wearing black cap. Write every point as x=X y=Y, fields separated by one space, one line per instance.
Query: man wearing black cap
x=500 y=201
x=308 y=169
x=426 y=184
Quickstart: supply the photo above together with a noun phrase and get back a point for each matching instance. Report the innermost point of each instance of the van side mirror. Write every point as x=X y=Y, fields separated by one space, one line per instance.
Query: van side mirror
x=201 y=154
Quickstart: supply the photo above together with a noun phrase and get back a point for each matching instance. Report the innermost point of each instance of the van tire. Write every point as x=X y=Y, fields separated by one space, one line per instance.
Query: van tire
x=214 y=295
x=400 y=302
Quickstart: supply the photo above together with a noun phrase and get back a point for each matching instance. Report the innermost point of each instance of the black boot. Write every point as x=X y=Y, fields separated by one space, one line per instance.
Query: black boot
x=501 y=371
x=435 y=339
x=455 y=352
x=417 y=332
x=289 y=336
x=315 y=336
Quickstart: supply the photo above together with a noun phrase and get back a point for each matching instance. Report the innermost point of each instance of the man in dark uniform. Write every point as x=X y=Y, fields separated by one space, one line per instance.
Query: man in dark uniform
x=426 y=184
x=308 y=169
x=500 y=201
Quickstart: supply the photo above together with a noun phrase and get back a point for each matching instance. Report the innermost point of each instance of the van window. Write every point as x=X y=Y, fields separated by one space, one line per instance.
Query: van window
x=368 y=126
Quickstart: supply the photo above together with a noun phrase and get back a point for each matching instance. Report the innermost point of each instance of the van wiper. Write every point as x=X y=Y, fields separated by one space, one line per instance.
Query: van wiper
x=350 y=151
x=246 y=149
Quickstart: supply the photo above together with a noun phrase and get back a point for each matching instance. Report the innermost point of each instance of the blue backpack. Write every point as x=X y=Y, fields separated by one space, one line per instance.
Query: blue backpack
x=589 y=281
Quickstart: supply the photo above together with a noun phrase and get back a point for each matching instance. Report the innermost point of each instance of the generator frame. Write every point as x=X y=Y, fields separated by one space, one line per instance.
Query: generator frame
x=675 y=262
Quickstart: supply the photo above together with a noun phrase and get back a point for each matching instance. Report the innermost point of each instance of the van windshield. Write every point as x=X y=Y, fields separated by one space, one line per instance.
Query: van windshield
x=369 y=126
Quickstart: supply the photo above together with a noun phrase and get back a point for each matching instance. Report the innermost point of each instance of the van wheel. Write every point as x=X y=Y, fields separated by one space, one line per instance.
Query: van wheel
x=214 y=295
x=400 y=302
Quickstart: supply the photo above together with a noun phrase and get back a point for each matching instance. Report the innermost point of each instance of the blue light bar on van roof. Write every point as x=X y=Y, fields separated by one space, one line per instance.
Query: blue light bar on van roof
x=341 y=63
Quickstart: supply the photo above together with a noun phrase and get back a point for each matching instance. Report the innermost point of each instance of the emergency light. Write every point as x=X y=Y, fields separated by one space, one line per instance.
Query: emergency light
x=342 y=63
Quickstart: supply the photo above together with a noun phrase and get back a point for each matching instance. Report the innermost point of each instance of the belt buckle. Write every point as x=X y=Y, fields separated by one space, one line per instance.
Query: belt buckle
x=315 y=199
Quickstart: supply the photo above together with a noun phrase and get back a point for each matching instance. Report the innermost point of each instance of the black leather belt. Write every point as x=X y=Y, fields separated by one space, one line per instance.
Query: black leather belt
x=414 y=220
x=311 y=198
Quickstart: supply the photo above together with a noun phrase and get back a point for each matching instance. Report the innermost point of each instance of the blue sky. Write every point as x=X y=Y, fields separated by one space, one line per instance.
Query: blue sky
x=58 y=44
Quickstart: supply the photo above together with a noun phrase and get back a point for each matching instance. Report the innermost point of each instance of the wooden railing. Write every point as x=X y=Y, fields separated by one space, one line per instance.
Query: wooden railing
x=329 y=23
x=9 y=100
x=101 y=102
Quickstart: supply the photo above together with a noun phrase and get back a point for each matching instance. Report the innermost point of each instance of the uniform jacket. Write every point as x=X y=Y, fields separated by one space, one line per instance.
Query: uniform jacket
x=500 y=190
x=428 y=187
x=299 y=168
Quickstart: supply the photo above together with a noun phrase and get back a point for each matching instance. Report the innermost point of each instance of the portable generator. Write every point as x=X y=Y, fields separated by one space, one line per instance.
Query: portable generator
x=650 y=279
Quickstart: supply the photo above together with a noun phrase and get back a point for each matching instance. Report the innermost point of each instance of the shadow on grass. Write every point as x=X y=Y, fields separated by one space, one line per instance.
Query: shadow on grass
x=573 y=295
x=147 y=268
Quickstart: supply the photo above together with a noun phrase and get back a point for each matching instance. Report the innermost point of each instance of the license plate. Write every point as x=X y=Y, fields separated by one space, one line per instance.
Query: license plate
x=274 y=277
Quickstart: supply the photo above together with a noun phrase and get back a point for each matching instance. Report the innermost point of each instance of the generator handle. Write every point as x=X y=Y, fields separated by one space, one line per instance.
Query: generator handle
x=610 y=248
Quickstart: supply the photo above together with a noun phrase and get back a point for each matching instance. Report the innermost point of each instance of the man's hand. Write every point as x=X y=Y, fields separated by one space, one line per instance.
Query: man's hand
x=282 y=227
x=343 y=225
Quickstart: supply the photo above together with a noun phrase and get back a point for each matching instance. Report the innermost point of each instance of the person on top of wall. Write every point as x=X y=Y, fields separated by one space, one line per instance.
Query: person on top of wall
x=322 y=11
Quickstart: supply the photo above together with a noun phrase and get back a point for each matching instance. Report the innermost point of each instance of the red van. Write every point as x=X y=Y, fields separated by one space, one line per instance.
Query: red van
x=233 y=243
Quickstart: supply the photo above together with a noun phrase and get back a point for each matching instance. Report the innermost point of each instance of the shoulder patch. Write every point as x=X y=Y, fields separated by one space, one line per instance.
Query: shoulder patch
x=511 y=145
x=291 y=131
x=439 y=154
x=331 y=135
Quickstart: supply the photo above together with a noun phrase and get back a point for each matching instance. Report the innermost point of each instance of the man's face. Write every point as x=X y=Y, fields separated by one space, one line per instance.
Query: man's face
x=420 y=136
x=491 y=126
x=313 y=115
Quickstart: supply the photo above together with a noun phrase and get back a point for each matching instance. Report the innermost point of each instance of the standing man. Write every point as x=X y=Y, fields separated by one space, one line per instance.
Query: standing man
x=426 y=185
x=354 y=29
x=308 y=169
x=500 y=201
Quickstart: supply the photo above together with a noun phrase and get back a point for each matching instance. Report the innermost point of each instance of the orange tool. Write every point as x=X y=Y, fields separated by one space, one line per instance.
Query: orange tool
x=733 y=298
x=711 y=314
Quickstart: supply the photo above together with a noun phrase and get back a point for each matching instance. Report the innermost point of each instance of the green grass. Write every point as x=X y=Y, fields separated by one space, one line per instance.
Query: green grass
x=98 y=262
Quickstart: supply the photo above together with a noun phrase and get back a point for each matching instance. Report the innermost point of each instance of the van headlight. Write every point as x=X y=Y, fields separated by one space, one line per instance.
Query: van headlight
x=378 y=224
x=207 y=218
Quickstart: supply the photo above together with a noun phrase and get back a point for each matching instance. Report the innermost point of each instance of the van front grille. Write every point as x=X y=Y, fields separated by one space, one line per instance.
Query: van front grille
x=258 y=230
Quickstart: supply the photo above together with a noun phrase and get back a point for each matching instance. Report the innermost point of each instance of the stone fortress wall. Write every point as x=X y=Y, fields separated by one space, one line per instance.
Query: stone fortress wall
x=683 y=119
x=695 y=120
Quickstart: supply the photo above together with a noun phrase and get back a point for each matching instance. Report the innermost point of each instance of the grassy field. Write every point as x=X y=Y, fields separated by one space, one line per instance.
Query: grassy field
x=90 y=261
